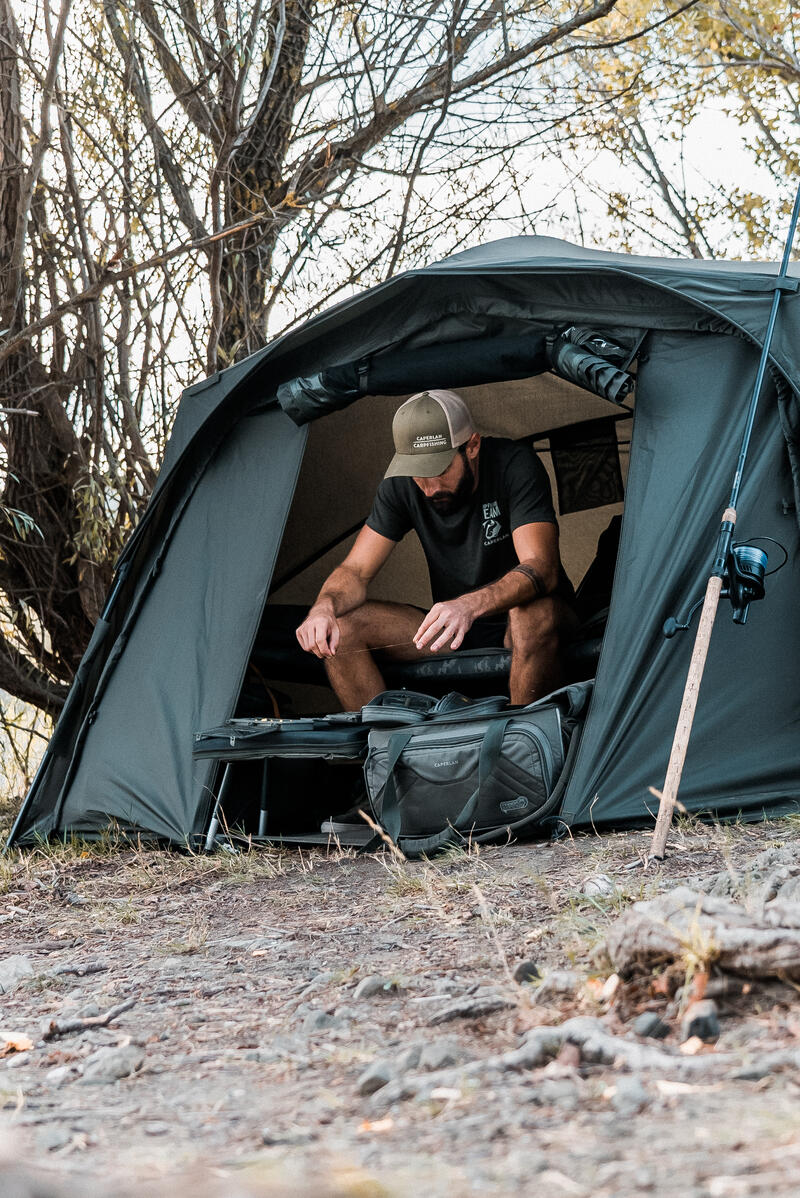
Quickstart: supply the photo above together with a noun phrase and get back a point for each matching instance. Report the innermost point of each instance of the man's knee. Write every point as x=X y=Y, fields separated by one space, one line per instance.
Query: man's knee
x=533 y=628
x=356 y=625
x=366 y=625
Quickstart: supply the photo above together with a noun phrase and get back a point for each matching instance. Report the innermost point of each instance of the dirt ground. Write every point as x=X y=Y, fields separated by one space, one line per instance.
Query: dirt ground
x=257 y=1063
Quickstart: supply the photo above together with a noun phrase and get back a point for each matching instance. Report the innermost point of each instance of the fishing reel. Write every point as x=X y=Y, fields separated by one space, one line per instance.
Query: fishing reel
x=742 y=582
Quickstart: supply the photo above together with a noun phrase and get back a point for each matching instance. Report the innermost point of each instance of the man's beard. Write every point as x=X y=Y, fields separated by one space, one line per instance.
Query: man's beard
x=445 y=503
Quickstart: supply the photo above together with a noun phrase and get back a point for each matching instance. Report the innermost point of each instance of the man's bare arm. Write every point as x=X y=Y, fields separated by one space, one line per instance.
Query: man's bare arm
x=535 y=576
x=344 y=589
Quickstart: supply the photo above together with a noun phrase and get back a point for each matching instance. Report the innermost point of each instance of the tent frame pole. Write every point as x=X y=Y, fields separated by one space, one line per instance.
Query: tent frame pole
x=683 y=729
x=213 y=826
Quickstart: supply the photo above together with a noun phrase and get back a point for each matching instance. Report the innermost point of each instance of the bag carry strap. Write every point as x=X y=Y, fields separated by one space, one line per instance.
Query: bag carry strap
x=391 y=815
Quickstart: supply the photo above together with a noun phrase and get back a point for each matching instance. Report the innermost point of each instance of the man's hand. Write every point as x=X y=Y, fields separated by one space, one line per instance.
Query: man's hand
x=319 y=632
x=448 y=622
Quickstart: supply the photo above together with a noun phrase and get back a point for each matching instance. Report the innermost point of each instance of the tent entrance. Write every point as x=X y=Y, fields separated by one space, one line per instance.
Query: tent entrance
x=345 y=458
x=584 y=443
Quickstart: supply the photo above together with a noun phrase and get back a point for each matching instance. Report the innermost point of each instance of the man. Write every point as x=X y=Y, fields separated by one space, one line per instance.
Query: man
x=483 y=511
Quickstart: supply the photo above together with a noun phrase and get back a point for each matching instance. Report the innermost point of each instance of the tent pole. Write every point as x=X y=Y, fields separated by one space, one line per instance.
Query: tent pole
x=683 y=729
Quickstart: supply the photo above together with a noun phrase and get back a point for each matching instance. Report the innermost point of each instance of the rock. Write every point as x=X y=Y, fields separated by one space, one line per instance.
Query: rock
x=318 y=1021
x=558 y=984
x=409 y=1058
x=650 y=1024
x=446 y=986
x=60 y=1074
x=752 y=1073
x=155 y=1127
x=473 y=1006
x=14 y=970
x=50 y=1139
x=291 y=1138
x=629 y=1096
x=375 y=1077
x=318 y=982
x=610 y=987
x=374 y=985
x=599 y=884
x=560 y=1092
x=526 y=971
x=110 y=1064
x=441 y=1054
x=264 y=1056
x=701 y=1020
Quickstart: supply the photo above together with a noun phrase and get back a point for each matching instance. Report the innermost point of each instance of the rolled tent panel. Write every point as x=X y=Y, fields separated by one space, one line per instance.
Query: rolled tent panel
x=692 y=398
x=187 y=652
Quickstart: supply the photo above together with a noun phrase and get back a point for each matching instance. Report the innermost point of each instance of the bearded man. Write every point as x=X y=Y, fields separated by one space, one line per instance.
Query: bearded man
x=483 y=511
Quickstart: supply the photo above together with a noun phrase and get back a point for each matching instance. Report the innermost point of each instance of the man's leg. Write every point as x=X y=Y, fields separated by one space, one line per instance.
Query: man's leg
x=353 y=672
x=535 y=633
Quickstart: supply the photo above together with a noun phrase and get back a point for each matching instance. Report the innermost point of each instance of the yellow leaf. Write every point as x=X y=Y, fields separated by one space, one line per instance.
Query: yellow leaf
x=14 y=1042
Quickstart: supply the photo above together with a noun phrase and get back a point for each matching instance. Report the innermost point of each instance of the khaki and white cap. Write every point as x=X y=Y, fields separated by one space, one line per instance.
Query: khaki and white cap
x=428 y=429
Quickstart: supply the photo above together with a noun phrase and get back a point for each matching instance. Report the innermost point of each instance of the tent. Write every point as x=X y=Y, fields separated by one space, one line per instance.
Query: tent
x=254 y=503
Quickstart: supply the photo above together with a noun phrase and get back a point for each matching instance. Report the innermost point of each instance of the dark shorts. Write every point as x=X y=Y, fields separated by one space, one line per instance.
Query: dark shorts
x=484 y=634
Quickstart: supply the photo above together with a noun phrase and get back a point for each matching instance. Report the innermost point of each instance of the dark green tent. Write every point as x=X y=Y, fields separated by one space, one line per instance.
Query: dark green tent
x=253 y=506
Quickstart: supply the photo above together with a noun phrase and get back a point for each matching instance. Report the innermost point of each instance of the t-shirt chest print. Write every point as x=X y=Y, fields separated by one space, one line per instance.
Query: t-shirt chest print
x=493 y=531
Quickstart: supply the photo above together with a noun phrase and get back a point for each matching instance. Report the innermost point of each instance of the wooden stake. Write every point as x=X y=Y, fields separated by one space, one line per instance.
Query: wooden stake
x=683 y=728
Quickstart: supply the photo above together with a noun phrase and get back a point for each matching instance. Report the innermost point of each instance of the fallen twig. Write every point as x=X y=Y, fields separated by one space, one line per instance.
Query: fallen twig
x=54 y=1029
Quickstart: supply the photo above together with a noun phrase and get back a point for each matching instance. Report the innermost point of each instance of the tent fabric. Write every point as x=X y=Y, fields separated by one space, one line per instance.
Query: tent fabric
x=171 y=652
x=743 y=749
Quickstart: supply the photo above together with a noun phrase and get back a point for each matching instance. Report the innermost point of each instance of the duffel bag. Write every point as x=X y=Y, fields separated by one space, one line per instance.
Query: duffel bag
x=465 y=774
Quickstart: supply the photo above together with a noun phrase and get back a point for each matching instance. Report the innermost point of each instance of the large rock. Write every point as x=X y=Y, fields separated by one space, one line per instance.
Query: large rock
x=111 y=1064
x=14 y=970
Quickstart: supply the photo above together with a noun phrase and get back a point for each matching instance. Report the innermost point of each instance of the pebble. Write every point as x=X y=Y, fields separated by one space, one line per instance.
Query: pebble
x=629 y=1096
x=527 y=971
x=317 y=1021
x=441 y=1054
x=53 y=1138
x=17 y=1060
x=264 y=1056
x=558 y=984
x=155 y=1127
x=375 y=1077
x=60 y=1074
x=318 y=982
x=650 y=1024
x=701 y=1020
x=290 y=1138
x=110 y=1064
x=373 y=985
x=14 y=970
x=556 y=1092
x=409 y=1058
x=752 y=1073
x=599 y=884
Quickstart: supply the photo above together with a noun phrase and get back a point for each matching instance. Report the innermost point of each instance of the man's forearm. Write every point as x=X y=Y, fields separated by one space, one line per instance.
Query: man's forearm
x=342 y=591
x=522 y=584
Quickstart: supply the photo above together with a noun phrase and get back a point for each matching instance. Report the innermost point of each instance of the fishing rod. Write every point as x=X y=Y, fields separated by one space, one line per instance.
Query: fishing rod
x=741 y=569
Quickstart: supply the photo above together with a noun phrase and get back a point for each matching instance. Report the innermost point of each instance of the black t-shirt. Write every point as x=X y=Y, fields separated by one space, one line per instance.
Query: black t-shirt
x=471 y=547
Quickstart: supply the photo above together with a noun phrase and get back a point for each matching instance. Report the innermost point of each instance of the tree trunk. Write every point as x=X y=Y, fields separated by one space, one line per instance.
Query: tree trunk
x=255 y=185
x=51 y=598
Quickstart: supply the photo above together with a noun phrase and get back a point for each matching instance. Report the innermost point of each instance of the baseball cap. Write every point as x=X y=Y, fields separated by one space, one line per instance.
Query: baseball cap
x=428 y=429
